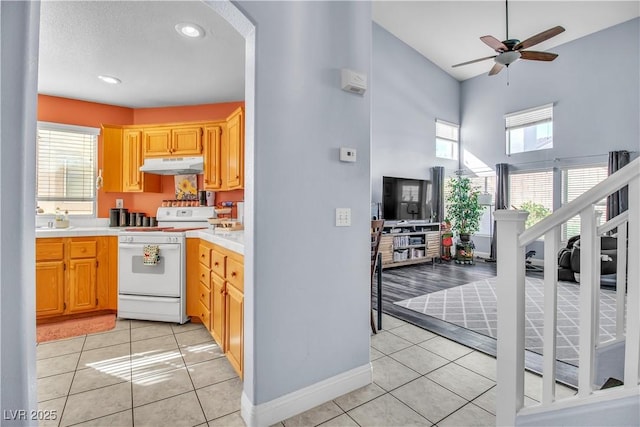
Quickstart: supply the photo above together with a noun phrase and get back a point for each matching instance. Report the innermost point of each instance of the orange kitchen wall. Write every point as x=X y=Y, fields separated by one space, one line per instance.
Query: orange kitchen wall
x=83 y=113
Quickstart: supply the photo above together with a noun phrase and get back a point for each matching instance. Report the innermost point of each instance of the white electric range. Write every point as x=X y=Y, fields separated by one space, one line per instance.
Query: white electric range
x=157 y=291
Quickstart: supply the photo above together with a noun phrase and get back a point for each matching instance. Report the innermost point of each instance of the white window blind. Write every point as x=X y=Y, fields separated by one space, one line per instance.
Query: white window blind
x=575 y=182
x=447 y=138
x=533 y=192
x=529 y=130
x=66 y=164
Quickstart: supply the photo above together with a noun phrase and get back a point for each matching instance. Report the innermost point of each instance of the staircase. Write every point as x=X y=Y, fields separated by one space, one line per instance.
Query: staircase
x=619 y=358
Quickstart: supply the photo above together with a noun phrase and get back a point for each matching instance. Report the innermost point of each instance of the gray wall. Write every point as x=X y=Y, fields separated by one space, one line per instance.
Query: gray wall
x=595 y=87
x=18 y=73
x=408 y=93
x=311 y=278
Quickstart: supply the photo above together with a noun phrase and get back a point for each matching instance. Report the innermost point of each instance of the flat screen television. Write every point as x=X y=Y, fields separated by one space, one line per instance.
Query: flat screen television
x=406 y=198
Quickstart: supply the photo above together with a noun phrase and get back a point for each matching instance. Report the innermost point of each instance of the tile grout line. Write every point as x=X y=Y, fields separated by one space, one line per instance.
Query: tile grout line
x=204 y=415
x=66 y=399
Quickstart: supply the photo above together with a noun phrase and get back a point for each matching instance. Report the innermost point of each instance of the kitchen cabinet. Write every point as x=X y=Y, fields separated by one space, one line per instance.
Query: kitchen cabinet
x=72 y=275
x=234 y=159
x=213 y=157
x=122 y=158
x=175 y=140
x=223 y=313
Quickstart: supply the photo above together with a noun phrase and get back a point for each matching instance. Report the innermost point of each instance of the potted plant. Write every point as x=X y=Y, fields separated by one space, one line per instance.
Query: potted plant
x=463 y=210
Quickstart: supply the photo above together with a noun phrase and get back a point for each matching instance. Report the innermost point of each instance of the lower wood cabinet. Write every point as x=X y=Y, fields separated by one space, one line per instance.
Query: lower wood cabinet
x=215 y=295
x=72 y=275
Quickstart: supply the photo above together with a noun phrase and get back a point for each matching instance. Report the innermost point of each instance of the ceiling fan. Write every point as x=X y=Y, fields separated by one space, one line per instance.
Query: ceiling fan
x=510 y=50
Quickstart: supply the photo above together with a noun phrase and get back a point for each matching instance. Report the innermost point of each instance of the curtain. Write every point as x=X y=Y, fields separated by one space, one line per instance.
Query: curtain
x=618 y=202
x=437 y=193
x=501 y=198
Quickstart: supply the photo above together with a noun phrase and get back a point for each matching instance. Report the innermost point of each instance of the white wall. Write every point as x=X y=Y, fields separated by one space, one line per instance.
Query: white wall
x=310 y=279
x=408 y=93
x=18 y=73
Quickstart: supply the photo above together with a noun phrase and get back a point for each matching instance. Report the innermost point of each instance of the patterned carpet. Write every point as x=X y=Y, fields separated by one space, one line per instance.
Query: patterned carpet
x=473 y=306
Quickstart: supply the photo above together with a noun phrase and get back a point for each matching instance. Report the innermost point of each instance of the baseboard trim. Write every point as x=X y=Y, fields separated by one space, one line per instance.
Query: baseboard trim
x=281 y=408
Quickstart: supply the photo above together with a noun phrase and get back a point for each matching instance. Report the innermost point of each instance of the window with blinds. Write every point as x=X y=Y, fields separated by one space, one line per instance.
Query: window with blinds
x=529 y=130
x=66 y=168
x=575 y=182
x=447 y=138
x=487 y=186
x=532 y=192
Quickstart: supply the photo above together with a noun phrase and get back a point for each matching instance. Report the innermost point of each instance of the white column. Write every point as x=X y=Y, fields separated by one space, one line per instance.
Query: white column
x=589 y=292
x=510 y=292
x=551 y=244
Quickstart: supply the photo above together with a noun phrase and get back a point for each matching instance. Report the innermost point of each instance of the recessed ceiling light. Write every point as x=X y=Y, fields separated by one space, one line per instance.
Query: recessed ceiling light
x=110 y=79
x=190 y=30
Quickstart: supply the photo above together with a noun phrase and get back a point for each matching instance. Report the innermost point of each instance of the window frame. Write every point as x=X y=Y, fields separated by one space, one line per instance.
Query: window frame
x=454 y=142
x=564 y=194
x=69 y=128
x=528 y=118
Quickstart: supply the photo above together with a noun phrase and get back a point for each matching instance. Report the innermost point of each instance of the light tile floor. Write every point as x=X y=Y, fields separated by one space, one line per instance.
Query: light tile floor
x=158 y=374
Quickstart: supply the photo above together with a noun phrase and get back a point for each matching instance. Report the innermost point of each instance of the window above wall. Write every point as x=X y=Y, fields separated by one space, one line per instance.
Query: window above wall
x=66 y=168
x=529 y=130
x=447 y=139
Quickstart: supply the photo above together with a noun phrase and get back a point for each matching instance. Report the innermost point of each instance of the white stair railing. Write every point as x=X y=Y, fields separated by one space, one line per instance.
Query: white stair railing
x=512 y=240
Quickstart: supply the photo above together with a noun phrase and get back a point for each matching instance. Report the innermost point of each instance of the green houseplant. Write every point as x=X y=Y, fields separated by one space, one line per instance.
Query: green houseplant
x=463 y=209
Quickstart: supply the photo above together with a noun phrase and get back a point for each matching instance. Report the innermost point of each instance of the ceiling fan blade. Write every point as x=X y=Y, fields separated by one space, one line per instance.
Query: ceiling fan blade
x=494 y=43
x=539 y=38
x=475 y=60
x=538 y=56
x=496 y=69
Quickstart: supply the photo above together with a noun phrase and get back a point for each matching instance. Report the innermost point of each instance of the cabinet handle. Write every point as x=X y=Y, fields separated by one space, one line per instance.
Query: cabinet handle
x=222 y=291
x=216 y=264
x=233 y=274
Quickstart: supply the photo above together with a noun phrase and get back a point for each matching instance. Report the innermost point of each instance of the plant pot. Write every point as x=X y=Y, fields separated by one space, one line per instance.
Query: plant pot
x=465 y=237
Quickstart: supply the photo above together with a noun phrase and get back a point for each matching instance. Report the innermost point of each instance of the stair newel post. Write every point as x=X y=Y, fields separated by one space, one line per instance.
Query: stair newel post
x=632 y=345
x=511 y=315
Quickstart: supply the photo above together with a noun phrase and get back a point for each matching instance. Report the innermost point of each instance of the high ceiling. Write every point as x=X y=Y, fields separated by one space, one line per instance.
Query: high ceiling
x=136 y=42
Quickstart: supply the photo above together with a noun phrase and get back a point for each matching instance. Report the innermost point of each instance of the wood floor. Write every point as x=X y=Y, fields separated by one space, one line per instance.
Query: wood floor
x=411 y=281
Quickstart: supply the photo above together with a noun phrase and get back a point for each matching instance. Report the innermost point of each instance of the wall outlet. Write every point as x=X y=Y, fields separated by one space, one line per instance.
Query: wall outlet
x=119 y=203
x=343 y=217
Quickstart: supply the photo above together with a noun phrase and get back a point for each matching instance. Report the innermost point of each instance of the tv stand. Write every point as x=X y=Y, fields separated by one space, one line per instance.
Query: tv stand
x=407 y=242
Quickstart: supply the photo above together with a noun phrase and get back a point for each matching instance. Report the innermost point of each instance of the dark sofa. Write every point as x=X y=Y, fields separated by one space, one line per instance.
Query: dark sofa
x=569 y=260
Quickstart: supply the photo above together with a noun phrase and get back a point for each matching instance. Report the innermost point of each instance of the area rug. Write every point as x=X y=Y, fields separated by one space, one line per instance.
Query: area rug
x=75 y=327
x=474 y=306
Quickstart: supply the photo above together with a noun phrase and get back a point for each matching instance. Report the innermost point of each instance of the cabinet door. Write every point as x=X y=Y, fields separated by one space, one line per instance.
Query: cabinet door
x=213 y=158
x=234 y=317
x=186 y=141
x=112 y=158
x=157 y=142
x=235 y=151
x=82 y=285
x=132 y=160
x=217 y=310
x=49 y=288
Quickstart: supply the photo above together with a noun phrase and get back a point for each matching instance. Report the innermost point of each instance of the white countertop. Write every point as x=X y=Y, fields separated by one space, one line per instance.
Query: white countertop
x=232 y=240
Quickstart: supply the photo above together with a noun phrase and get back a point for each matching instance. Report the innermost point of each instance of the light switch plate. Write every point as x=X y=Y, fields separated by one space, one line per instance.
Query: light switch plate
x=343 y=217
x=119 y=203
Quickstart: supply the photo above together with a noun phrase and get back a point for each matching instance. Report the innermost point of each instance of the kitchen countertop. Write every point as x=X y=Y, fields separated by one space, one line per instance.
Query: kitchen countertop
x=232 y=240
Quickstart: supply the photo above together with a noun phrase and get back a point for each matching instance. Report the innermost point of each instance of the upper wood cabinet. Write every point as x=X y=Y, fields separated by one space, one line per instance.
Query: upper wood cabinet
x=122 y=158
x=167 y=141
x=213 y=157
x=235 y=150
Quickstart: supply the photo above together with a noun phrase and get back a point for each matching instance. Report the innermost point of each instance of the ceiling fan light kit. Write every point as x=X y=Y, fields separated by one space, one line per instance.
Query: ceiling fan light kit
x=510 y=50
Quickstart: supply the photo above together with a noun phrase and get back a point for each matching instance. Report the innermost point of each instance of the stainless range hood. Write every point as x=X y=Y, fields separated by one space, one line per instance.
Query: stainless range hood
x=173 y=166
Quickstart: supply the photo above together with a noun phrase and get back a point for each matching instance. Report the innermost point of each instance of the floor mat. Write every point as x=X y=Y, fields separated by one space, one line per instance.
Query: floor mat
x=75 y=327
x=474 y=306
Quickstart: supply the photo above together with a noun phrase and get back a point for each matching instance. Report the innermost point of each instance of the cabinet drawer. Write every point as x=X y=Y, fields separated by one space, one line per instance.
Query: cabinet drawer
x=204 y=315
x=204 y=254
x=205 y=296
x=49 y=251
x=204 y=275
x=83 y=249
x=218 y=263
x=235 y=274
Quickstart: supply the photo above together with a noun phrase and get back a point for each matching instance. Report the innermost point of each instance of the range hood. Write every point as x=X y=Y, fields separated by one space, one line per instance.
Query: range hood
x=173 y=166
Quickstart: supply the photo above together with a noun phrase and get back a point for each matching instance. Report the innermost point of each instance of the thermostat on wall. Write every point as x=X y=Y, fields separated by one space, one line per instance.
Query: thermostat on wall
x=353 y=81
x=347 y=154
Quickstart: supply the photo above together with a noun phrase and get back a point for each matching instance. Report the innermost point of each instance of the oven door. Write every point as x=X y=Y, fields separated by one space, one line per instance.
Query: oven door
x=161 y=279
